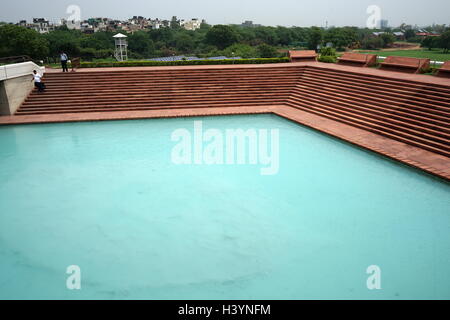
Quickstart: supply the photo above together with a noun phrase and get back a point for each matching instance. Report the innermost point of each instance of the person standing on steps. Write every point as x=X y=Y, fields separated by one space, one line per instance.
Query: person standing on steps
x=64 y=59
x=38 y=81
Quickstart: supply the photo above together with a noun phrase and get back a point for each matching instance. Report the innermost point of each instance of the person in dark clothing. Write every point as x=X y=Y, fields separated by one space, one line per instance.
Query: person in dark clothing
x=64 y=59
x=38 y=81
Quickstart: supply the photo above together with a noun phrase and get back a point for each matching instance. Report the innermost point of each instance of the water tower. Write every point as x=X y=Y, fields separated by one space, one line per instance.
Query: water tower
x=121 y=47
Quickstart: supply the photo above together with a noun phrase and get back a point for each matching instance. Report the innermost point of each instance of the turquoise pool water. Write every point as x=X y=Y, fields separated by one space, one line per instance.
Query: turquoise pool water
x=107 y=197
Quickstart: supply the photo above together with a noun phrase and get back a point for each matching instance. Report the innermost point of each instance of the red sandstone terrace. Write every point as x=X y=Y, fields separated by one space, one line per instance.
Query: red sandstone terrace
x=405 y=64
x=302 y=55
x=444 y=71
x=402 y=116
x=358 y=59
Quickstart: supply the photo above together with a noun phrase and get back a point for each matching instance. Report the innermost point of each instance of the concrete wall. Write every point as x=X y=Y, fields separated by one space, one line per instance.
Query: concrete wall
x=15 y=70
x=13 y=93
x=15 y=85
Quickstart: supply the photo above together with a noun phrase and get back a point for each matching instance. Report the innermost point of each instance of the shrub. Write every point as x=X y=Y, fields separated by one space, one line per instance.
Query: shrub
x=328 y=55
x=327 y=59
x=180 y=63
x=429 y=70
x=328 y=52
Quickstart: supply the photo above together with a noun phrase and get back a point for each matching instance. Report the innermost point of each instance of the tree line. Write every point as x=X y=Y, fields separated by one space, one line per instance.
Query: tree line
x=228 y=40
x=441 y=42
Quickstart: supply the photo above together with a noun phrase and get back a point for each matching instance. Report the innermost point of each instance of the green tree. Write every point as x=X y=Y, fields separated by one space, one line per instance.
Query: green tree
x=444 y=41
x=266 y=51
x=341 y=38
x=428 y=42
x=183 y=42
x=162 y=35
x=266 y=35
x=64 y=40
x=204 y=26
x=388 y=39
x=141 y=44
x=315 y=37
x=372 y=43
x=409 y=34
x=17 y=41
x=284 y=35
x=300 y=35
x=174 y=24
x=247 y=36
x=240 y=50
x=221 y=36
x=98 y=40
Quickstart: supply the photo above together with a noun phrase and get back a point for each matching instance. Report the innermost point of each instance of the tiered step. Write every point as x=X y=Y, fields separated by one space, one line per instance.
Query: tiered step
x=411 y=112
x=160 y=89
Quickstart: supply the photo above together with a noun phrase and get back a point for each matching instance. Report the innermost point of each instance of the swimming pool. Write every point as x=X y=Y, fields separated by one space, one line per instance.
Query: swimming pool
x=106 y=197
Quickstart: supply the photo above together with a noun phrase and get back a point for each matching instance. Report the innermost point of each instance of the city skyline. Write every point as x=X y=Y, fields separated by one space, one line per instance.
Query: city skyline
x=283 y=13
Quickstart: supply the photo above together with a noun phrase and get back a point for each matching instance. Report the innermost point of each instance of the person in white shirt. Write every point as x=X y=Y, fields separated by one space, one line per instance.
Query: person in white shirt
x=38 y=81
x=64 y=59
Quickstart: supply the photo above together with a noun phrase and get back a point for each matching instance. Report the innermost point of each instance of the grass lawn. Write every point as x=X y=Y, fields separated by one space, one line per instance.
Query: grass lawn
x=434 y=55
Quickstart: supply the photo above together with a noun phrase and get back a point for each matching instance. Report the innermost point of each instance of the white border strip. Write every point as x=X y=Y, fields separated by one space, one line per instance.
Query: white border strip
x=16 y=70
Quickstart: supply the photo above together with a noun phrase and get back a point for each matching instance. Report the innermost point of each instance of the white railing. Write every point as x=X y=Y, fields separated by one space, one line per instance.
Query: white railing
x=431 y=62
x=16 y=70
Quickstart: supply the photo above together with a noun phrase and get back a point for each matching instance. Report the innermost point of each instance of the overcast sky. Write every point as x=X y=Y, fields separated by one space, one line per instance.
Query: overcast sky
x=267 y=12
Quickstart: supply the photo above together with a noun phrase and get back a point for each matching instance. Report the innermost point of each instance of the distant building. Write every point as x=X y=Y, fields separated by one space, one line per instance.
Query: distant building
x=249 y=24
x=99 y=24
x=399 y=35
x=424 y=34
x=192 y=24
x=92 y=25
x=41 y=25
x=157 y=24
x=140 y=22
x=384 y=24
x=138 y=19
x=85 y=27
x=72 y=25
x=377 y=34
